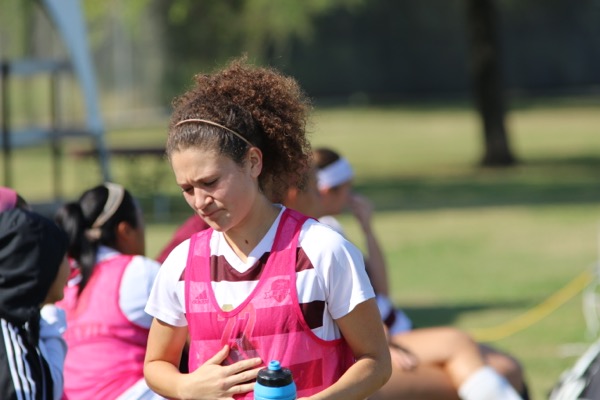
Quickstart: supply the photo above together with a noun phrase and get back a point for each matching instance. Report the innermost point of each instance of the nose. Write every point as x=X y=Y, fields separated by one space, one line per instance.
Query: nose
x=201 y=199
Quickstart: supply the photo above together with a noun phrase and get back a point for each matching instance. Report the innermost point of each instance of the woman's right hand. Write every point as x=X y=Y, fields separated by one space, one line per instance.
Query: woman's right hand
x=362 y=208
x=215 y=381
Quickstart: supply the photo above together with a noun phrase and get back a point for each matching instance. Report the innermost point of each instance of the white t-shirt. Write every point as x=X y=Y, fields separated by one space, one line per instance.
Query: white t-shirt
x=336 y=277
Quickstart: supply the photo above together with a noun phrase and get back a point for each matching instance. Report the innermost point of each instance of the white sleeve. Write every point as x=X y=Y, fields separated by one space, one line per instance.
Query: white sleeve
x=136 y=284
x=340 y=265
x=52 y=345
x=333 y=223
x=167 y=298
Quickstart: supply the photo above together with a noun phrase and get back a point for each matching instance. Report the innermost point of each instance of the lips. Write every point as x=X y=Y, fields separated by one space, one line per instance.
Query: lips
x=210 y=214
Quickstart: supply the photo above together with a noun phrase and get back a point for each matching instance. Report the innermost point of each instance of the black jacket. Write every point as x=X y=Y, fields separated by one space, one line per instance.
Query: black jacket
x=31 y=250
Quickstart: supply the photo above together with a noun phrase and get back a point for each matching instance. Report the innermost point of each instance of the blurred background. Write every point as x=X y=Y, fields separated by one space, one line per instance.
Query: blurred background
x=473 y=125
x=342 y=51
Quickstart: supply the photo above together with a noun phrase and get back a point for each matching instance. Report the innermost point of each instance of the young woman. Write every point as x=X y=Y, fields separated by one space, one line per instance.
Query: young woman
x=107 y=328
x=429 y=363
x=33 y=272
x=263 y=282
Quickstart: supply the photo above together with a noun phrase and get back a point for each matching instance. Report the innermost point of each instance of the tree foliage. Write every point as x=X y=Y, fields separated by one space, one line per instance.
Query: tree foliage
x=100 y=13
x=203 y=34
x=258 y=24
x=255 y=26
x=381 y=50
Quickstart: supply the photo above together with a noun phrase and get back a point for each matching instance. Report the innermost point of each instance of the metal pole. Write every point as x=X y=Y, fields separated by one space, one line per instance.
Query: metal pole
x=6 y=148
x=54 y=136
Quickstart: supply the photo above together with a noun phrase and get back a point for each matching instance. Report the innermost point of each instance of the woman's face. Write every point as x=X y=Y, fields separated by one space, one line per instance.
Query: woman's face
x=130 y=239
x=56 y=292
x=215 y=187
x=139 y=233
x=310 y=198
x=336 y=199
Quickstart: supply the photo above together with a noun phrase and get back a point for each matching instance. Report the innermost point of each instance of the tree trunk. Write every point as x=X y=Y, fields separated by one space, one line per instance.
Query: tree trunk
x=487 y=82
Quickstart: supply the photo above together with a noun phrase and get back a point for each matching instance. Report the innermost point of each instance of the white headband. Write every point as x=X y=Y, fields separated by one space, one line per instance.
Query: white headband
x=113 y=201
x=334 y=174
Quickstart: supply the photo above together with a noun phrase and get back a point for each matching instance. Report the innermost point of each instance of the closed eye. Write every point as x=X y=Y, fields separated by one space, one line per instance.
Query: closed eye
x=207 y=184
x=211 y=183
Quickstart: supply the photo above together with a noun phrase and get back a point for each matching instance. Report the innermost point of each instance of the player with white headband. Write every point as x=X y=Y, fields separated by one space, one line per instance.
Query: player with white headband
x=432 y=363
x=335 y=174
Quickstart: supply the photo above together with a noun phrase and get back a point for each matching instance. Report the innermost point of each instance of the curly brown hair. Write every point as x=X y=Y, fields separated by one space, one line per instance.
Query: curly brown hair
x=266 y=108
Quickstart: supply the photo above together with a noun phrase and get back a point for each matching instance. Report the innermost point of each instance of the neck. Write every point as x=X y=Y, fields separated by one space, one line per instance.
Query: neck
x=244 y=238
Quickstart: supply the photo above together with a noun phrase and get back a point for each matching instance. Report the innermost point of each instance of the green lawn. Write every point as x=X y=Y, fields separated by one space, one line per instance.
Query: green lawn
x=466 y=246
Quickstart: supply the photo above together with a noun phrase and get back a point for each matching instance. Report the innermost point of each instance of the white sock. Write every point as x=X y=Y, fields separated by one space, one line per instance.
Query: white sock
x=487 y=384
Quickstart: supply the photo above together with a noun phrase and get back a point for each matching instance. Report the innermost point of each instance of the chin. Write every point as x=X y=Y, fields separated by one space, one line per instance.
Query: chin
x=215 y=226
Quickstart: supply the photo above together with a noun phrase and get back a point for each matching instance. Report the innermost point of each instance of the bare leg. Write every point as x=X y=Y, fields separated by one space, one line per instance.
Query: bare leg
x=425 y=382
x=505 y=365
x=446 y=358
x=448 y=348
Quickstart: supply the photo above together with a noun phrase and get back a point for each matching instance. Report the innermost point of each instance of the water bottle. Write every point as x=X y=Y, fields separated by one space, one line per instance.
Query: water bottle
x=274 y=383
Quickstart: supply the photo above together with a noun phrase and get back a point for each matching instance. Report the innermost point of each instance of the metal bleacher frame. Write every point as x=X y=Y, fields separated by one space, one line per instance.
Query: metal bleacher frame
x=67 y=18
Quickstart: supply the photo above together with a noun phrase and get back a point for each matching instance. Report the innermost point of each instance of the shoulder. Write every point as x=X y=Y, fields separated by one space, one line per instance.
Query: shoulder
x=324 y=246
x=179 y=252
x=139 y=272
x=316 y=233
x=141 y=267
x=175 y=263
x=333 y=223
x=144 y=262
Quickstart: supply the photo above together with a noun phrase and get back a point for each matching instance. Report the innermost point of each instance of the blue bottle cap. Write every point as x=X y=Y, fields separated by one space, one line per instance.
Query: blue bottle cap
x=274 y=375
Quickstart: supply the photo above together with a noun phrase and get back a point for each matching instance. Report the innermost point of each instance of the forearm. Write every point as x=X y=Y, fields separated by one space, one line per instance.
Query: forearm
x=164 y=378
x=365 y=377
x=363 y=331
x=52 y=345
x=376 y=266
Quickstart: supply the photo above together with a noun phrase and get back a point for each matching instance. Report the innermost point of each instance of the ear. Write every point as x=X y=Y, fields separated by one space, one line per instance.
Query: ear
x=325 y=191
x=255 y=161
x=124 y=231
x=291 y=197
x=293 y=193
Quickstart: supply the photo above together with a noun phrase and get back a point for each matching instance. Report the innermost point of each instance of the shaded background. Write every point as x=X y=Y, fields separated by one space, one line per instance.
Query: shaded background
x=341 y=51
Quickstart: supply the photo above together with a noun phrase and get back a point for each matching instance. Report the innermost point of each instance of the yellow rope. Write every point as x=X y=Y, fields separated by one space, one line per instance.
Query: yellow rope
x=535 y=314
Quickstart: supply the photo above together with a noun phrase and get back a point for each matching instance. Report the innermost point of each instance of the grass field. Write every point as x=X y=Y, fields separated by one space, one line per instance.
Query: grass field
x=471 y=247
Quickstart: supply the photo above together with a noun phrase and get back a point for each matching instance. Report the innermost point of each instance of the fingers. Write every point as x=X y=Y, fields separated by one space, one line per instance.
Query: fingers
x=246 y=376
x=219 y=357
x=361 y=206
x=240 y=389
x=360 y=201
x=242 y=382
x=245 y=365
x=220 y=381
